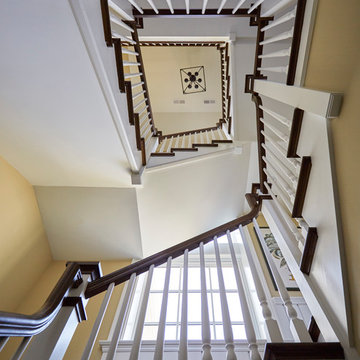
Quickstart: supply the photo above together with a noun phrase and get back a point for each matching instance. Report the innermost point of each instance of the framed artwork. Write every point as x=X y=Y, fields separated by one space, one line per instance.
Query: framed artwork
x=278 y=259
x=193 y=80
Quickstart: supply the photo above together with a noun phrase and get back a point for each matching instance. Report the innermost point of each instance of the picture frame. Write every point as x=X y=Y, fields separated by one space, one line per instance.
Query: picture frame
x=279 y=260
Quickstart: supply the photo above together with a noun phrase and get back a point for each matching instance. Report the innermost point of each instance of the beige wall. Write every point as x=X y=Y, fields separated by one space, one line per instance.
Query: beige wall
x=171 y=123
x=334 y=66
x=162 y=68
x=24 y=248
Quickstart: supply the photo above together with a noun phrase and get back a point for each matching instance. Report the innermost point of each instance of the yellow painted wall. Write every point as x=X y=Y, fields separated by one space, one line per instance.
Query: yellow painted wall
x=35 y=298
x=334 y=66
x=25 y=252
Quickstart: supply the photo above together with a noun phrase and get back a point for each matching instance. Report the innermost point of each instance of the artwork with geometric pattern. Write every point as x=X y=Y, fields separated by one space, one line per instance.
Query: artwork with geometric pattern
x=193 y=79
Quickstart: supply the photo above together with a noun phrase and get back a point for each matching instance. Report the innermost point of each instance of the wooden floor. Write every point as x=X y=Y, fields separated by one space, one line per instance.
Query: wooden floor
x=334 y=65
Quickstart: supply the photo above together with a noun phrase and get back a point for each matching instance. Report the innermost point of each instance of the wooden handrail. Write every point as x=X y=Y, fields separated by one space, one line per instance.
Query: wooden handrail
x=295 y=44
x=13 y=324
x=181 y=43
x=161 y=257
x=181 y=13
x=139 y=59
x=166 y=136
x=106 y=22
x=260 y=140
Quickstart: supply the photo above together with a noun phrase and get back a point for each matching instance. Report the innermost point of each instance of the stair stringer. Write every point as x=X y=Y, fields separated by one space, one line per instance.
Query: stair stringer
x=88 y=17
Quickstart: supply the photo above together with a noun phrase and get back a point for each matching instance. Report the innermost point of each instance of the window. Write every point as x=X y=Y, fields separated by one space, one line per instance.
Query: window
x=173 y=317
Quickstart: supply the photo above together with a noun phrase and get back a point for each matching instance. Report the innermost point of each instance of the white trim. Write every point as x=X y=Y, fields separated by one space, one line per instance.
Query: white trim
x=90 y=43
x=173 y=346
x=305 y=43
x=316 y=302
x=325 y=104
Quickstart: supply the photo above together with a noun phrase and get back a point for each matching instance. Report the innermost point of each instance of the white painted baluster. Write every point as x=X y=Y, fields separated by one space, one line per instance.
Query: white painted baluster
x=153 y=6
x=279 y=5
x=297 y=326
x=134 y=355
x=292 y=179
x=283 y=36
x=183 y=144
x=221 y=6
x=96 y=327
x=208 y=140
x=162 y=145
x=228 y=333
x=279 y=191
x=272 y=328
x=282 y=119
x=294 y=162
x=204 y=6
x=170 y=6
x=3 y=341
x=290 y=15
x=21 y=349
x=120 y=11
x=205 y=322
x=280 y=181
x=249 y=326
x=116 y=335
x=183 y=348
x=187 y=5
x=159 y=347
x=238 y=6
x=276 y=131
x=299 y=238
x=257 y=3
x=135 y=5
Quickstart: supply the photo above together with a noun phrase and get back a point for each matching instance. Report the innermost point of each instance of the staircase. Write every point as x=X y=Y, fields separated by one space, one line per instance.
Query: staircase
x=284 y=113
x=82 y=281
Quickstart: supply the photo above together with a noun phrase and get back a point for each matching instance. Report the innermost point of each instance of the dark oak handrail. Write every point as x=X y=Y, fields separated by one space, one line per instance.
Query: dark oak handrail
x=14 y=324
x=295 y=44
x=189 y=132
x=161 y=257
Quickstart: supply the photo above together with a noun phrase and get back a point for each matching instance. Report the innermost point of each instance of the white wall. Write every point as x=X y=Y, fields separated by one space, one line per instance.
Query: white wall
x=162 y=67
x=180 y=202
x=90 y=223
x=172 y=122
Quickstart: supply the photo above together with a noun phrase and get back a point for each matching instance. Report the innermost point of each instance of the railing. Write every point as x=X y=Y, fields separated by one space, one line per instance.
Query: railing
x=278 y=40
x=282 y=173
x=183 y=43
x=12 y=324
x=225 y=87
x=120 y=31
x=190 y=141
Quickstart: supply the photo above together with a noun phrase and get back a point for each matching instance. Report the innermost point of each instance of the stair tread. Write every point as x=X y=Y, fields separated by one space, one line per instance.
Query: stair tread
x=222 y=141
x=204 y=145
x=184 y=149
x=162 y=154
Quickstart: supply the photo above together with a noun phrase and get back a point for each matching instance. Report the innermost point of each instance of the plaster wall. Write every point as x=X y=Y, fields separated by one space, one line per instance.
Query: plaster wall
x=25 y=251
x=170 y=122
x=179 y=202
x=91 y=223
